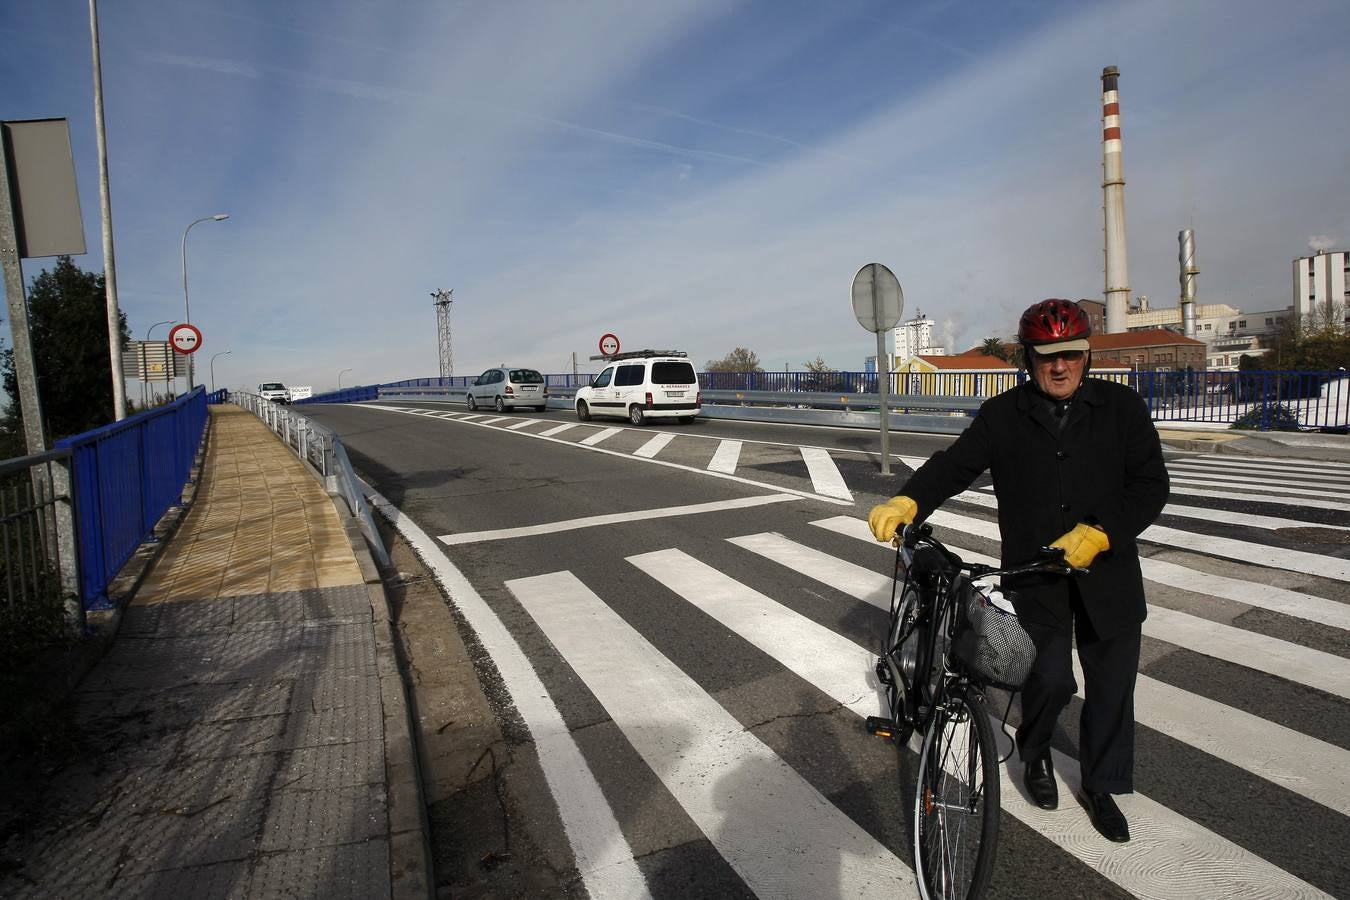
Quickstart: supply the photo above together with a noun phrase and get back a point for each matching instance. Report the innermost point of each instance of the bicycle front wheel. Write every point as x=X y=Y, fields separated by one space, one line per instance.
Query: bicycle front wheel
x=956 y=802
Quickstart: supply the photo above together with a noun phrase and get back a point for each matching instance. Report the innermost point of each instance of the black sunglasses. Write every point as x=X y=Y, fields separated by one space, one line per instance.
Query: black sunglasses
x=1068 y=356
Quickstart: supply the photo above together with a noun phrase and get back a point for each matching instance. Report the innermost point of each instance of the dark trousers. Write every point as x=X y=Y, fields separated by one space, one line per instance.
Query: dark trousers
x=1106 y=727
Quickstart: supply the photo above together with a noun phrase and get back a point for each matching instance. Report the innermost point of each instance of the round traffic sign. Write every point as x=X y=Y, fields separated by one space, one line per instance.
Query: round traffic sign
x=609 y=344
x=185 y=338
x=878 y=301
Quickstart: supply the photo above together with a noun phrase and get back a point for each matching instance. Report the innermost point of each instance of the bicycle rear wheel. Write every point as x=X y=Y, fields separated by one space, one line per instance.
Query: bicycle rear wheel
x=956 y=802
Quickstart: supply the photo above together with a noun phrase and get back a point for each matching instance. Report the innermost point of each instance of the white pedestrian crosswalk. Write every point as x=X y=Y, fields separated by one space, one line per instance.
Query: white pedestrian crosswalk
x=792 y=597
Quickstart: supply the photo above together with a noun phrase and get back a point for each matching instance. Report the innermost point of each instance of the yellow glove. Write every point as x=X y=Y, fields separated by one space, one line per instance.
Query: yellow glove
x=886 y=519
x=1082 y=544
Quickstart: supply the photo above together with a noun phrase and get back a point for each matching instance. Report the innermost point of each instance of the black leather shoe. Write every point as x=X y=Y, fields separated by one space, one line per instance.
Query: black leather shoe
x=1040 y=782
x=1107 y=817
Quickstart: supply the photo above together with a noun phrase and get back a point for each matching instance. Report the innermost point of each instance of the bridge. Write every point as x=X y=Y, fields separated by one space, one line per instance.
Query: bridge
x=648 y=632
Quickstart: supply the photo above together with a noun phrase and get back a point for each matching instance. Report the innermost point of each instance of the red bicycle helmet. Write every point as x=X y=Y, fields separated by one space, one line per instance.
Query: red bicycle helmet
x=1055 y=322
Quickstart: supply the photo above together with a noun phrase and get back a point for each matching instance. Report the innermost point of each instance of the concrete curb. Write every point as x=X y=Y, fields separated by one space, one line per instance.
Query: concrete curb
x=410 y=872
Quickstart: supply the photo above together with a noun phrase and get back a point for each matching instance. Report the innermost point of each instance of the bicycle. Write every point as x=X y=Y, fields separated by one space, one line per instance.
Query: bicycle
x=948 y=641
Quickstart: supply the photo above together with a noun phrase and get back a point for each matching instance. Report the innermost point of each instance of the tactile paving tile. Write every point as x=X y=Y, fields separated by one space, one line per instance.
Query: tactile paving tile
x=333 y=726
x=222 y=881
x=338 y=690
x=331 y=766
x=298 y=819
x=353 y=872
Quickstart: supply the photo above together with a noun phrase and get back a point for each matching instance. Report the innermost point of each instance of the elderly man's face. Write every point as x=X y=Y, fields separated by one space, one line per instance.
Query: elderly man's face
x=1059 y=374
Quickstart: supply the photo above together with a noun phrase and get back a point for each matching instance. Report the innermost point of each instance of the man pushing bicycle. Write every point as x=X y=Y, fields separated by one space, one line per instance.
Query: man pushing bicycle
x=1076 y=464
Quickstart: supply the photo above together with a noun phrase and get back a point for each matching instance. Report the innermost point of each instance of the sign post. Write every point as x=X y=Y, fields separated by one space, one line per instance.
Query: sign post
x=186 y=338
x=878 y=304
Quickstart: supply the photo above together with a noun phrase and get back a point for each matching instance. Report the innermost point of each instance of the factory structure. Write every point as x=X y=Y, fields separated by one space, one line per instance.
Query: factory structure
x=1127 y=331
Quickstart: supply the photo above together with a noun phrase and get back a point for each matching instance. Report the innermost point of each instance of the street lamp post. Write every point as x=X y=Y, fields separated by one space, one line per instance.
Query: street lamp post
x=144 y=401
x=213 y=368
x=340 y=374
x=187 y=313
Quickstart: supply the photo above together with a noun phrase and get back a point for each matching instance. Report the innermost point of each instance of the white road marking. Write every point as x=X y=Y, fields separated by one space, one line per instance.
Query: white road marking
x=495 y=420
x=1181 y=487
x=603 y=856
x=523 y=422
x=984 y=497
x=726 y=456
x=472 y=417
x=1287 y=660
x=557 y=429
x=1184 y=858
x=470 y=537
x=1282 y=484
x=1250 y=552
x=825 y=477
x=1305 y=765
x=655 y=445
x=1271 y=474
x=780 y=835
x=602 y=435
x=1281 y=600
x=543 y=436
x=1226 y=460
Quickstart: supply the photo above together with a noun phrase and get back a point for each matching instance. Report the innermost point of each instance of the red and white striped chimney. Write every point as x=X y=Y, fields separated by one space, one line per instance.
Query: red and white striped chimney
x=1113 y=205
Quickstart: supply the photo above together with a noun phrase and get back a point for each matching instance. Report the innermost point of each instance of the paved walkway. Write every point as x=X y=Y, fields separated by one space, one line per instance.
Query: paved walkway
x=247 y=729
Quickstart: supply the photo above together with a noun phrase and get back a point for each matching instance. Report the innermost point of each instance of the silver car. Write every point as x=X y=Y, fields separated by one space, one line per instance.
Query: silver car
x=508 y=387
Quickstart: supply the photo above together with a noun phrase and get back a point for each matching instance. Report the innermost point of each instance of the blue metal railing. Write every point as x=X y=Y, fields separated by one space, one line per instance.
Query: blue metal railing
x=126 y=476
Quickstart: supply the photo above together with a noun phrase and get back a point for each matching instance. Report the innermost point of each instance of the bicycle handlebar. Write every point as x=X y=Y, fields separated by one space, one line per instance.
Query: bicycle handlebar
x=1050 y=560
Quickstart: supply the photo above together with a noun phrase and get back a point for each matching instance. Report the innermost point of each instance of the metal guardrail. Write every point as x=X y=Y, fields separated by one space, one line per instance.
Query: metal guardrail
x=1253 y=399
x=322 y=450
x=38 y=546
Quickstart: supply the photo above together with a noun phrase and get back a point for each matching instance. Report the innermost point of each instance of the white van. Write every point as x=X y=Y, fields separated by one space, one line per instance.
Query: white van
x=274 y=391
x=643 y=385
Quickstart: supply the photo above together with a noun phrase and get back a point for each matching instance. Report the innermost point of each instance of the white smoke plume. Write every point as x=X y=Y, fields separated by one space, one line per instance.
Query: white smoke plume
x=1322 y=242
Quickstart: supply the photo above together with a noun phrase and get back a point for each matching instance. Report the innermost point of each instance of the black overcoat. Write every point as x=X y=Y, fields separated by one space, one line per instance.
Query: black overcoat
x=1103 y=467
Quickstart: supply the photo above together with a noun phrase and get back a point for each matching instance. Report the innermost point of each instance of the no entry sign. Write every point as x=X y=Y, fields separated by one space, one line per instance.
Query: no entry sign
x=185 y=338
x=609 y=344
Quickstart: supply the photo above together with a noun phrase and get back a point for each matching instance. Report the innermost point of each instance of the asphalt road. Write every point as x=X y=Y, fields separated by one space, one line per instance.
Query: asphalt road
x=709 y=677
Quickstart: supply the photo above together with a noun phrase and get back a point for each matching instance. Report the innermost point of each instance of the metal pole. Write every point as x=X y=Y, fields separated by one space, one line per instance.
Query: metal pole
x=213 y=368
x=24 y=369
x=109 y=266
x=145 y=361
x=187 y=312
x=883 y=385
x=340 y=374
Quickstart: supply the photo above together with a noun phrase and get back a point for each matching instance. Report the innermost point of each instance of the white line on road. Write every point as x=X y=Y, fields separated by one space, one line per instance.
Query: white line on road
x=1184 y=858
x=726 y=456
x=495 y=419
x=470 y=537
x=780 y=835
x=1305 y=765
x=1280 y=484
x=522 y=423
x=1181 y=487
x=557 y=429
x=603 y=434
x=825 y=477
x=655 y=445
x=603 y=856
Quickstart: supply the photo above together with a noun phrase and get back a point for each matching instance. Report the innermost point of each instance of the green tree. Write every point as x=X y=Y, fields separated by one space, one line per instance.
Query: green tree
x=68 y=327
x=994 y=347
x=738 y=360
x=822 y=377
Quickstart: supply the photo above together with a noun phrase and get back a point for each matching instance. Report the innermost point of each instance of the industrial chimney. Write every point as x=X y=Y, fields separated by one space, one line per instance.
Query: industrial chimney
x=1188 y=272
x=1113 y=205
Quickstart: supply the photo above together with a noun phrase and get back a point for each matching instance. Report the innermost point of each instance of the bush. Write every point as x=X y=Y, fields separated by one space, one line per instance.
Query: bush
x=1276 y=415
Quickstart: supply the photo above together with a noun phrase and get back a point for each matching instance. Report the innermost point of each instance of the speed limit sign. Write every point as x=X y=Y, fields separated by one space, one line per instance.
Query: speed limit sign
x=185 y=338
x=609 y=344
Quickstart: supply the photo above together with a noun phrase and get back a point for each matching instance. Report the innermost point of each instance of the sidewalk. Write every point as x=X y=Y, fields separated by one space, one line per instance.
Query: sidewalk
x=246 y=733
x=1290 y=444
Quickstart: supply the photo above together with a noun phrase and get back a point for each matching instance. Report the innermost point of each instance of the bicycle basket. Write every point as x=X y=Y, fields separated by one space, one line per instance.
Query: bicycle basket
x=991 y=642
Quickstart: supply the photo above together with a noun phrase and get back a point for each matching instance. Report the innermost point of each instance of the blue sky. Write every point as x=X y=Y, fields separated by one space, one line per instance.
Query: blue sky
x=696 y=175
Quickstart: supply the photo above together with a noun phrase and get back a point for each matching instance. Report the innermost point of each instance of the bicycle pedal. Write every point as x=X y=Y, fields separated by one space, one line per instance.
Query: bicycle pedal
x=883 y=672
x=880 y=727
